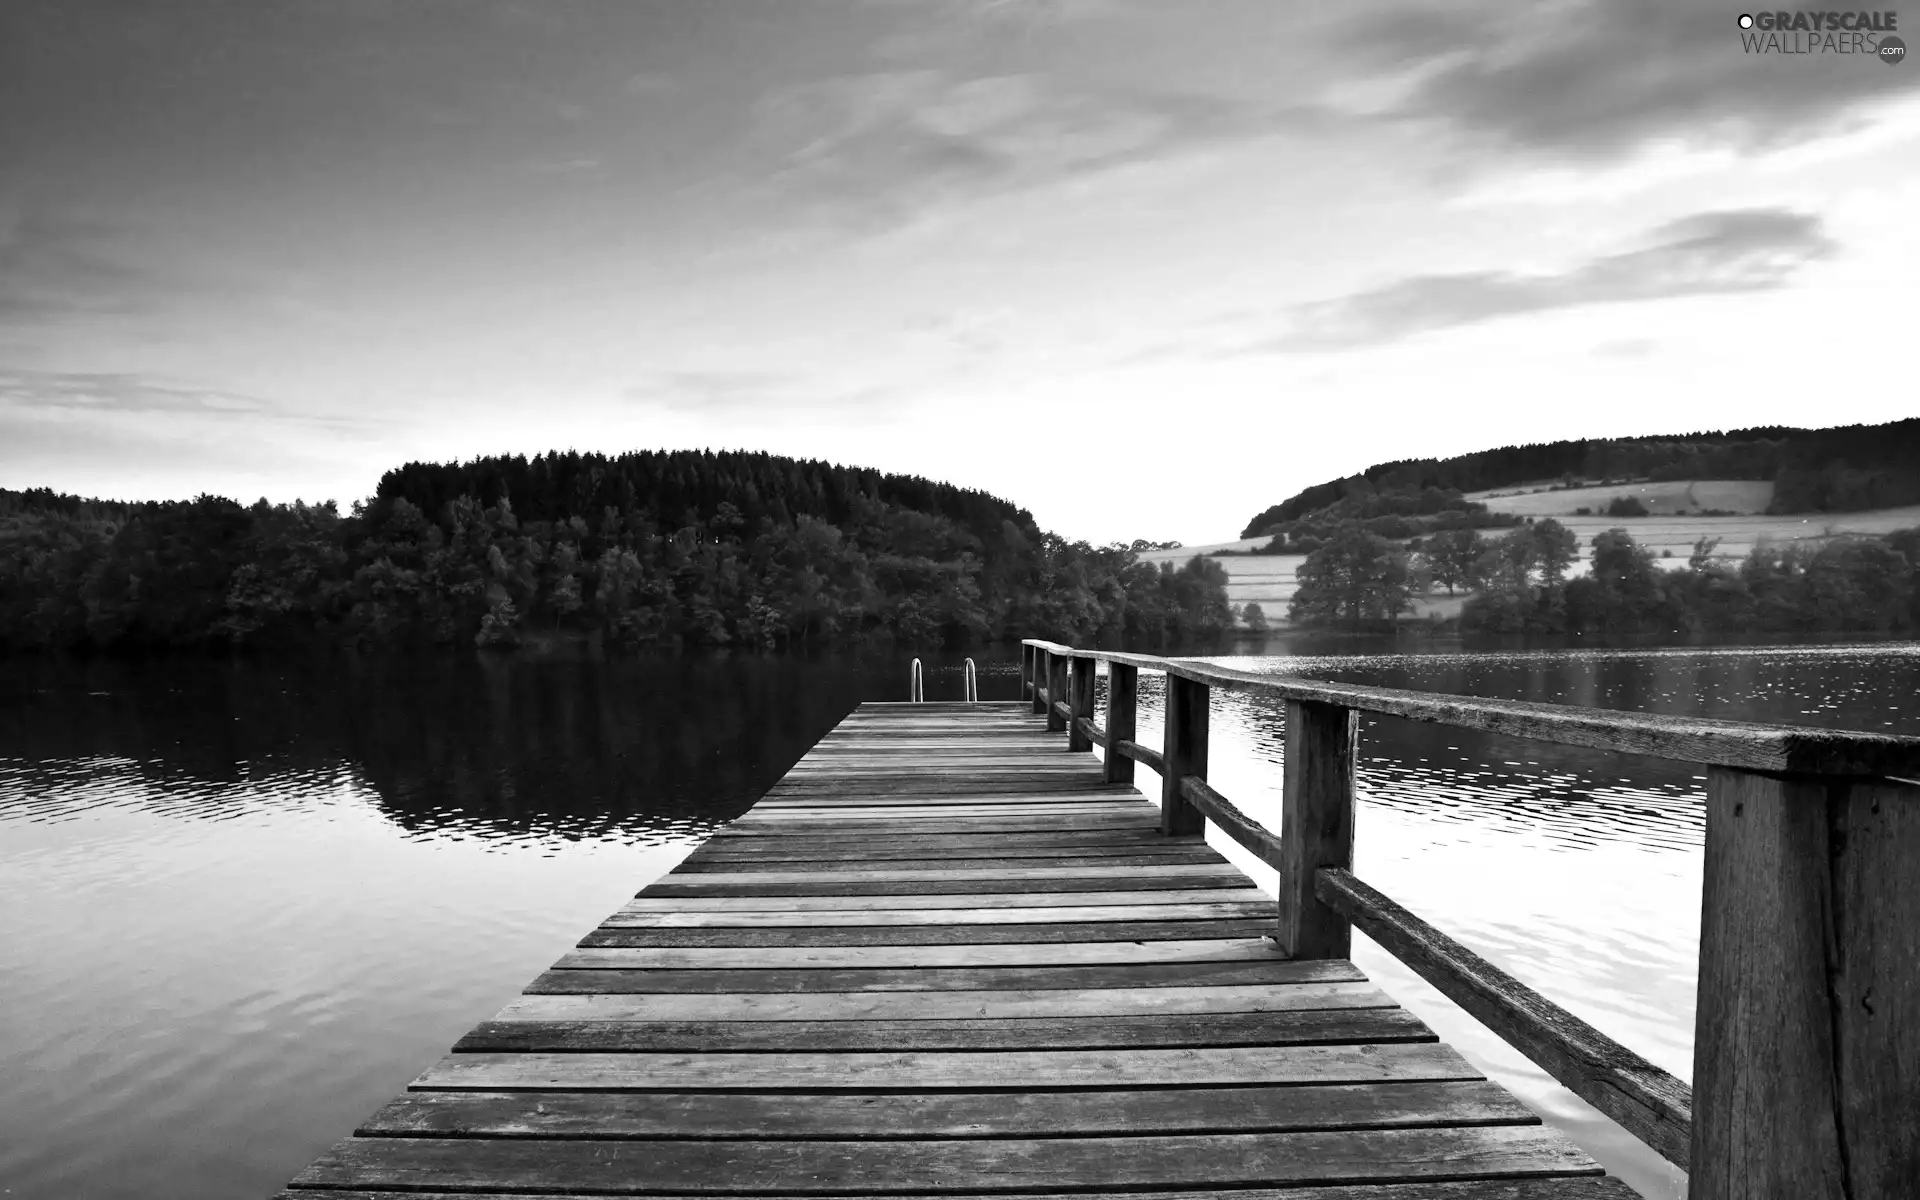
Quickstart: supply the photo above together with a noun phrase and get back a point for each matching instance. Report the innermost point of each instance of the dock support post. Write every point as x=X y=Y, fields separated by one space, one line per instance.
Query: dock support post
x=1080 y=700
x=1316 y=825
x=1056 y=691
x=1026 y=670
x=1040 y=659
x=1185 y=751
x=1123 y=686
x=1806 y=1068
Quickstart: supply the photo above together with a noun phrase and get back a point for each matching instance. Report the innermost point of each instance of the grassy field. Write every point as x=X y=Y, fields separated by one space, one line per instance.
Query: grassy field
x=1661 y=499
x=1269 y=580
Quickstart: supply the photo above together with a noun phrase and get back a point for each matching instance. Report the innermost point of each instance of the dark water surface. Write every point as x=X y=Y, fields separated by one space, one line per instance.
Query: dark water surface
x=243 y=904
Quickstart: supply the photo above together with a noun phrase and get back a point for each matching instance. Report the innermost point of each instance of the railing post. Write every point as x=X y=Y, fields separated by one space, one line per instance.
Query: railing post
x=1123 y=686
x=1806 y=1067
x=1080 y=700
x=1026 y=669
x=1056 y=691
x=1040 y=658
x=1185 y=750
x=1316 y=825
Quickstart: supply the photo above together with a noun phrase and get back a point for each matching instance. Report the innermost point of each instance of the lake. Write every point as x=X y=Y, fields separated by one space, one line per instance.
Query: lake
x=242 y=904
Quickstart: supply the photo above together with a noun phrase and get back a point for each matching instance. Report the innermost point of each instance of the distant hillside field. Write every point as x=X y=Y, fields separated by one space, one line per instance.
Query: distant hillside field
x=1269 y=580
x=1853 y=468
x=1662 y=499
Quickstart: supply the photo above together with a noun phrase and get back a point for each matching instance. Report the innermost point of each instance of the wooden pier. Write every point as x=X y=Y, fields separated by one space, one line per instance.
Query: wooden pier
x=953 y=953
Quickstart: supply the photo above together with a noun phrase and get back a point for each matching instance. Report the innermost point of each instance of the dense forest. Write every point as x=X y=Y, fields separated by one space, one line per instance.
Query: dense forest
x=1523 y=582
x=1845 y=469
x=648 y=549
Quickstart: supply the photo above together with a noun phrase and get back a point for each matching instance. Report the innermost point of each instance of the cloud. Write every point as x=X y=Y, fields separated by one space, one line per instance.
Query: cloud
x=883 y=147
x=1599 y=78
x=1746 y=250
x=115 y=393
x=62 y=395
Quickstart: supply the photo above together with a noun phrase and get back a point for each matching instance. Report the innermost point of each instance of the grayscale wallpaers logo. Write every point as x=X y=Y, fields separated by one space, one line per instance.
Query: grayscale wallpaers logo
x=1868 y=34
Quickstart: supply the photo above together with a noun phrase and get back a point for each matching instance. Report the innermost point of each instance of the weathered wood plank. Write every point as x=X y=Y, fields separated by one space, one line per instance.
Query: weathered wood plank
x=1558 y=1187
x=1123 y=686
x=781 y=1116
x=962 y=1070
x=1185 y=754
x=1044 y=860
x=1242 y=892
x=988 y=954
x=1293 y=1027
x=952 y=1164
x=1316 y=825
x=579 y=981
x=1140 y=881
x=836 y=873
x=1807 y=1051
x=933 y=935
x=934 y=1006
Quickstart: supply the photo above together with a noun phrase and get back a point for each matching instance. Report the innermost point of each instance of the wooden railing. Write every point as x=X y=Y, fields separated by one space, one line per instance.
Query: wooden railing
x=1806 y=1075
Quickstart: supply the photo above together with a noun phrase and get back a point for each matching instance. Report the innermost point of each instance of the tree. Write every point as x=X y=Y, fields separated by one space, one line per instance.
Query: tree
x=1255 y=617
x=1451 y=556
x=1355 y=580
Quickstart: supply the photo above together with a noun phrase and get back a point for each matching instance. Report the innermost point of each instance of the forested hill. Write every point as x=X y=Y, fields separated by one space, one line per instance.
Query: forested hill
x=648 y=549
x=675 y=483
x=1843 y=469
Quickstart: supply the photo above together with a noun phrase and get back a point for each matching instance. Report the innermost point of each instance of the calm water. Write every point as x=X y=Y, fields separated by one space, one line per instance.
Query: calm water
x=242 y=905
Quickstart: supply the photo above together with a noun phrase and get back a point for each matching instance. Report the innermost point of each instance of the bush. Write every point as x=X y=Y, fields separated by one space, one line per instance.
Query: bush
x=1627 y=506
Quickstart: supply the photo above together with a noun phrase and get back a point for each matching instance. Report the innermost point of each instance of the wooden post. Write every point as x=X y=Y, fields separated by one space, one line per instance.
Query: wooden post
x=1316 y=825
x=1806 y=1066
x=1026 y=669
x=1185 y=750
x=1123 y=686
x=1040 y=669
x=1080 y=699
x=1056 y=691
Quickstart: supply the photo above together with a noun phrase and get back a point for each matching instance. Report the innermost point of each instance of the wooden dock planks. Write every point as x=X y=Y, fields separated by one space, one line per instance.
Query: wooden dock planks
x=941 y=957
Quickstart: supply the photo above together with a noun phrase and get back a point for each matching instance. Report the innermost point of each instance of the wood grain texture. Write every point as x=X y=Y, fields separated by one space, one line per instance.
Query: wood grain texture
x=1754 y=747
x=934 y=935
x=950 y=1165
x=1291 y=1027
x=582 y=980
x=1647 y=1101
x=1263 y=842
x=1056 y=693
x=1806 y=1052
x=869 y=957
x=947 y=1070
x=1080 y=702
x=787 y=1115
x=936 y=1006
x=1123 y=688
x=1184 y=754
x=1316 y=825
x=1563 y=1187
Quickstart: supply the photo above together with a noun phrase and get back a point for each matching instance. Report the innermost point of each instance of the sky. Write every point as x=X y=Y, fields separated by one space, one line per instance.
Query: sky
x=1142 y=267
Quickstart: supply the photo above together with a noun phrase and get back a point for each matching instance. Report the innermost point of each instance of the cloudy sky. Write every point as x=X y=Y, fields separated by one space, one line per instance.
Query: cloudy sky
x=1143 y=267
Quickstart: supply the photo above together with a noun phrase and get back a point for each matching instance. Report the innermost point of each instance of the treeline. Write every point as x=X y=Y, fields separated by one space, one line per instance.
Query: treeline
x=1523 y=583
x=1844 y=469
x=658 y=549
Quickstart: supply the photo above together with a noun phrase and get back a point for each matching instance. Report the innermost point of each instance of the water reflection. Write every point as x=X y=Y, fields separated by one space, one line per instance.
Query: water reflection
x=506 y=749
